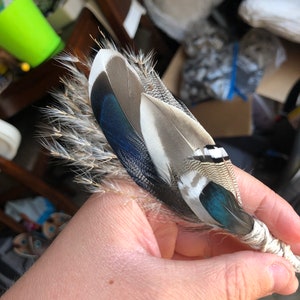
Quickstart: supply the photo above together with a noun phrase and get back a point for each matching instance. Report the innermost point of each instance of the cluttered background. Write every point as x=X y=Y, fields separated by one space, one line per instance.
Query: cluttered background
x=235 y=64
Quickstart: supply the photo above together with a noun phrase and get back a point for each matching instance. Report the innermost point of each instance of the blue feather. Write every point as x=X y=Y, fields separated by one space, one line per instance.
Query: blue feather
x=221 y=205
x=131 y=149
x=119 y=133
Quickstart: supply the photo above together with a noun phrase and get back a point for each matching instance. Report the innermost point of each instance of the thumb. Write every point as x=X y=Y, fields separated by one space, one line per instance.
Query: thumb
x=242 y=275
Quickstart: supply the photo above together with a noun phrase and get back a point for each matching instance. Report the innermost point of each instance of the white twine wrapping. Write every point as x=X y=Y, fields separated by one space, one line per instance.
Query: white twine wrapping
x=261 y=239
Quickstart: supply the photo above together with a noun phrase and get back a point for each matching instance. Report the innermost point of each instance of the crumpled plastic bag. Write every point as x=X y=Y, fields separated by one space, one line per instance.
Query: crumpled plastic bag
x=219 y=69
x=281 y=17
x=175 y=16
x=30 y=210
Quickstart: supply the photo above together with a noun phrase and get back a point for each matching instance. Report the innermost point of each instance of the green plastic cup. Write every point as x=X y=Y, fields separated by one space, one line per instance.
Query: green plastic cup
x=26 y=34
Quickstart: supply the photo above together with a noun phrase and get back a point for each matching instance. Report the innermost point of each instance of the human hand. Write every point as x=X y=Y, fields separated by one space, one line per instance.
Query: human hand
x=111 y=249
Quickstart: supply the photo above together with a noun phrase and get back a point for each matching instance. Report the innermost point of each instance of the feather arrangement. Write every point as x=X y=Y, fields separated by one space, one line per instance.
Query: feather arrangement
x=122 y=123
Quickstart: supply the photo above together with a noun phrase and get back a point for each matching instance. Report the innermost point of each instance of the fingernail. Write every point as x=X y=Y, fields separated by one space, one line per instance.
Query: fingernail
x=284 y=278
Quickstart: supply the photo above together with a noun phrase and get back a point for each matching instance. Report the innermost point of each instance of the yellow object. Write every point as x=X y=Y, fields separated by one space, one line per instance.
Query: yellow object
x=25 y=67
x=294 y=117
x=26 y=34
x=3 y=68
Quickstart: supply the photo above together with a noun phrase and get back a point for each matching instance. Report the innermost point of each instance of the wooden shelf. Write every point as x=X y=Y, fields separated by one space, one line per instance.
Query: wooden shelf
x=37 y=83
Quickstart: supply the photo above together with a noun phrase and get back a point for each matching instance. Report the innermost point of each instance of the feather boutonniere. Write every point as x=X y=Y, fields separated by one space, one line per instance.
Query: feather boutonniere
x=122 y=123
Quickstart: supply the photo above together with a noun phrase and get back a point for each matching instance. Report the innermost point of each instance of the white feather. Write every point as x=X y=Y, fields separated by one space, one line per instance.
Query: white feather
x=216 y=152
x=99 y=64
x=170 y=135
x=191 y=185
x=153 y=140
x=198 y=152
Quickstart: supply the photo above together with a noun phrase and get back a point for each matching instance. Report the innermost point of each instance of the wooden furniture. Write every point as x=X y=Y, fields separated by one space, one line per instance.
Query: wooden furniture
x=27 y=172
x=38 y=186
x=37 y=83
x=148 y=37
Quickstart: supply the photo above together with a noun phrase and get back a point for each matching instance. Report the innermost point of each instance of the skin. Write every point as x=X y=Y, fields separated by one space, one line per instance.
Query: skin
x=112 y=249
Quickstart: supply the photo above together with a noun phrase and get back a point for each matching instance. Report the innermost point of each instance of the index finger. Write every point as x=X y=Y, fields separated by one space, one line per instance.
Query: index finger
x=267 y=206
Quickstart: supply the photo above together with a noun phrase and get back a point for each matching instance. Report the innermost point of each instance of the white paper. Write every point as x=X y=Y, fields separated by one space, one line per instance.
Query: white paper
x=278 y=16
x=133 y=18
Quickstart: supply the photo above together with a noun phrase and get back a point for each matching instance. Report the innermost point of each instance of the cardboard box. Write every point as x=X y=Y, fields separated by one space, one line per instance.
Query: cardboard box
x=233 y=118
x=219 y=118
x=277 y=83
